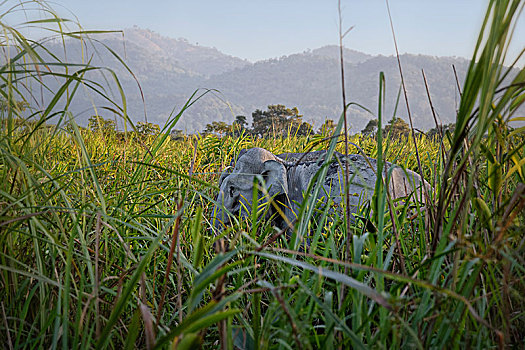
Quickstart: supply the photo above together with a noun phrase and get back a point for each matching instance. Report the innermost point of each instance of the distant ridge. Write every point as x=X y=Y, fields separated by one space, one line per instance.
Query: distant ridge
x=350 y=56
x=169 y=70
x=193 y=58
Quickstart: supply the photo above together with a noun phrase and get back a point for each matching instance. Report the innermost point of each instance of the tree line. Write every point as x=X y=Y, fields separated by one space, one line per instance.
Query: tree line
x=397 y=127
x=276 y=121
x=280 y=121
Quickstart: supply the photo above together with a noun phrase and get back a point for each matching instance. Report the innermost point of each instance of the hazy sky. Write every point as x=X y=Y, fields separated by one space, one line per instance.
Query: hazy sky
x=261 y=29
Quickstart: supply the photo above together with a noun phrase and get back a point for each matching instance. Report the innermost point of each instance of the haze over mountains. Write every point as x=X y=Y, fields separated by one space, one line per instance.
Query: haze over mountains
x=170 y=70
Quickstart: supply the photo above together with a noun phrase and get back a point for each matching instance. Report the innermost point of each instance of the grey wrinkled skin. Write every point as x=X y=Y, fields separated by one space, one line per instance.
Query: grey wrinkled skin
x=287 y=177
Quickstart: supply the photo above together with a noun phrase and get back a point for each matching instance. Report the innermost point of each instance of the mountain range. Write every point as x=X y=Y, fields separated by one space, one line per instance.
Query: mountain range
x=169 y=70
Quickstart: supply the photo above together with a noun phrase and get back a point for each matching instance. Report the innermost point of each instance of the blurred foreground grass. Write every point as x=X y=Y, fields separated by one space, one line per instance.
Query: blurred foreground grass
x=105 y=241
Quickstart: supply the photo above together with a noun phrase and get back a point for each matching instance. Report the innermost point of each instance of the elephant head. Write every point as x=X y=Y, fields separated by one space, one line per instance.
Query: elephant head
x=236 y=187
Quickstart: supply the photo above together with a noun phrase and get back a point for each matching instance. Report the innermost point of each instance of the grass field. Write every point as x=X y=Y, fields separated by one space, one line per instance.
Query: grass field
x=107 y=242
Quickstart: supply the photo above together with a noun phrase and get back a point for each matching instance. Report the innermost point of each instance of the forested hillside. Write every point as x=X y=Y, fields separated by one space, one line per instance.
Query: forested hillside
x=170 y=70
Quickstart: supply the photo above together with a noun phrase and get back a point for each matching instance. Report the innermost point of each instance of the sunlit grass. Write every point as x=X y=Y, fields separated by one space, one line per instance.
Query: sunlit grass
x=90 y=222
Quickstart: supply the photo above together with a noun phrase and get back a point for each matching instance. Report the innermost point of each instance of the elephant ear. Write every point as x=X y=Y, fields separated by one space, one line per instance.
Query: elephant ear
x=231 y=167
x=224 y=174
x=274 y=175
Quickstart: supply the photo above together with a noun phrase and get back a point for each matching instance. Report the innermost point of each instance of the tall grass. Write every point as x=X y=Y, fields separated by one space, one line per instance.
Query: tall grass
x=107 y=242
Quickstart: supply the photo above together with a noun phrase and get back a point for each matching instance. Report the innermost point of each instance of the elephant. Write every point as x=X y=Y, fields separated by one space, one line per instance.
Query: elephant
x=288 y=175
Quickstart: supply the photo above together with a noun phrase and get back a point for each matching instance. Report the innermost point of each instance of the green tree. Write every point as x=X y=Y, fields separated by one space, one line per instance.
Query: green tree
x=177 y=135
x=328 y=127
x=18 y=105
x=220 y=128
x=240 y=122
x=302 y=129
x=146 y=128
x=276 y=120
x=397 y=127
x=98 y=124
x=441 y=130
x=370 y=128
x=239 y=125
